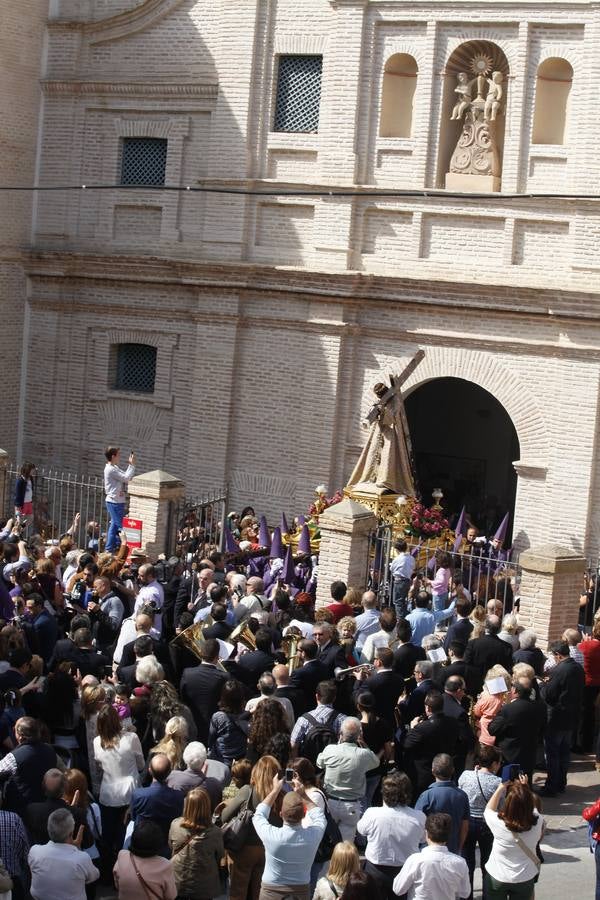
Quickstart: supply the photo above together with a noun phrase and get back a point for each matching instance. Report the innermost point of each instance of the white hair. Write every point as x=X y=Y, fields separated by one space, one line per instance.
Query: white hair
x=194 y=756
x=527 y=639
x=60 y=826
x=148 y=670
x=350 y=729
x=72 y=557
x=238 y=581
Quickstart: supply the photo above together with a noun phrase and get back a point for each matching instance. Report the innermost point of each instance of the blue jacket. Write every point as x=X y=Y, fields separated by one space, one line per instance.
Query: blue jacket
x=161 y=804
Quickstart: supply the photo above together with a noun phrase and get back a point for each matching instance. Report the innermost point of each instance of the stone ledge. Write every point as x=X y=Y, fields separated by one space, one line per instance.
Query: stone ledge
x=552 y=559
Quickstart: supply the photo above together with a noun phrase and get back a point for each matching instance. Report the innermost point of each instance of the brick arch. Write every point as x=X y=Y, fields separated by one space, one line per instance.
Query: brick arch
x=482 y=34
x=409 y=50
x=558 y=52
x=501 y=383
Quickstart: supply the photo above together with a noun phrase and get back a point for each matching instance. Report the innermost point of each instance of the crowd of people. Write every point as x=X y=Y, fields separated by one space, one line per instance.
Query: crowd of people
x=178 y=732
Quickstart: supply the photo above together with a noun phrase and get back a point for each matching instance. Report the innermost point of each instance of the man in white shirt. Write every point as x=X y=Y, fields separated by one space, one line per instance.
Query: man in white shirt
x=368 y=621
x=434 y=872
x=253 y=601
x=115 y=480
x=402 y=568
x=60 y=870
x=151 y=594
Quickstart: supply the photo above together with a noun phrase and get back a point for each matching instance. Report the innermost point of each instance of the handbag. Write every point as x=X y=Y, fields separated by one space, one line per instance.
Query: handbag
x=150 y=893
x=331 y=836
x=235 y=832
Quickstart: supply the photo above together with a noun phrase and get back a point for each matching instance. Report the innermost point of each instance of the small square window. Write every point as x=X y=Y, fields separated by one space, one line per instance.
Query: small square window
x=298 y=93
x=133 y=368
x=144 y=161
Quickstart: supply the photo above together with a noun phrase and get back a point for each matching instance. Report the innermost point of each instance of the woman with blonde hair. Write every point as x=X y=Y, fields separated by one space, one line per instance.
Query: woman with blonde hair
x=489 y=705
x=196 y=849
x=93 y=698
x=174 y=742
x=246 y=865
x=344 y=862
x=478 y=617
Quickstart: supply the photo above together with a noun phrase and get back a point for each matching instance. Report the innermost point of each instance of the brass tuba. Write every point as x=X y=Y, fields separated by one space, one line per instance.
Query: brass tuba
x=289 y=645
x=243 y=634
x=191 y=638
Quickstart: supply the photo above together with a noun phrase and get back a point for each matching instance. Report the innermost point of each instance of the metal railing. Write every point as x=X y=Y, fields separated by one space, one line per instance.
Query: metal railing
x=57 y=498
x=484 y=576
x=196 y=526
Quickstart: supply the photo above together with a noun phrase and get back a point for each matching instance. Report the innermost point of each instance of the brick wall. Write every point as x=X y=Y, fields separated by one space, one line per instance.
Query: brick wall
x=20 y=58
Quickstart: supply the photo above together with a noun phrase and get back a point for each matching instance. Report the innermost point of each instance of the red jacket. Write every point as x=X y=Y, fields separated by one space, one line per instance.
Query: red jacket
x=591 y=661
x=589 y=814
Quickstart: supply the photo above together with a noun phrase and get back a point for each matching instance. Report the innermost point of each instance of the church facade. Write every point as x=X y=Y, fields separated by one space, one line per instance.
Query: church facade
x=391 y=176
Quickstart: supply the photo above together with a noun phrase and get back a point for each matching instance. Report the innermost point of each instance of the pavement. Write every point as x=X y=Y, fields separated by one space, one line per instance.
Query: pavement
x=568 y=870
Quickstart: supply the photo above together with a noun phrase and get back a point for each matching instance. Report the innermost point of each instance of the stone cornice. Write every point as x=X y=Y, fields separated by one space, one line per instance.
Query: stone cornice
x=348 y=288
x=131 y=89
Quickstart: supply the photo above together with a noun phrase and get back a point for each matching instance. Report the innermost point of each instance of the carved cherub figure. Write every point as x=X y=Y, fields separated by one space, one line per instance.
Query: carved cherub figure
x=464 y=90
x=494 y=97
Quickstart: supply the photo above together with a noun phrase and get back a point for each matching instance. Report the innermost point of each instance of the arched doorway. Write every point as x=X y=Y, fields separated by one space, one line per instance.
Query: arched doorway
x=464 y=442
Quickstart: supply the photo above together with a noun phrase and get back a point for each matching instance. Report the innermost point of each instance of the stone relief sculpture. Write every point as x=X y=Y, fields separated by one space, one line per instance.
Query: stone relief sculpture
x=476 y=152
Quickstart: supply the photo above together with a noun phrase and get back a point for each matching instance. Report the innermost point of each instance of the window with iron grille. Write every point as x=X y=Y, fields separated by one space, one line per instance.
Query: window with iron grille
x=144 y=161
x=133 y=368
x=298 y=93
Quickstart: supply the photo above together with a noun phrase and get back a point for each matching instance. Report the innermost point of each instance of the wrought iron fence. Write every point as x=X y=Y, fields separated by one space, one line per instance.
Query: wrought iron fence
x=484 y=576
x=57 y=499
x=196 y=526
x=591 y=590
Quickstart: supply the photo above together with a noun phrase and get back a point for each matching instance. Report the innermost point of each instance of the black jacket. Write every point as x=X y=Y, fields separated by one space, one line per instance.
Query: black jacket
x=414 y=705
x=563 y=693
x=469 y=673
x=332 y=658
x=160 y=650
x=405 y=658
x=201 y=690
x=437 y=734
x=458 y=631
x=89 y=662
x=386 y=687
x=466 y=738
x=252 y=665
x=220 y=631
x=36 y=817
x=488 y=651
x=305 y=680
x=517 y=728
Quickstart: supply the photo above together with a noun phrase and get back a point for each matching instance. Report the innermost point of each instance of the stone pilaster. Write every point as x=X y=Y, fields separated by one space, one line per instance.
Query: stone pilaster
x=154 y=497
x=345 y=530
x=551 y=584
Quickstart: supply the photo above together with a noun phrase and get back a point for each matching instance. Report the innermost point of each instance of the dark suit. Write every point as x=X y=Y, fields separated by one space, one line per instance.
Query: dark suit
x=405 y=658
x=252 y=665
x=88 y=661
x=517 y=728
x=160 y=804
x=36 y=817
x=305 y=680
x=437 y=734
x=414 y=705
x=126 y=675
x=458 y=631
x=466 y=738
x=159 y=648
x=331 y=658
x=294 y=695
x=220 y=631
x=386 y=687
x=469 y=673
x=200 y=690
x=488 y=651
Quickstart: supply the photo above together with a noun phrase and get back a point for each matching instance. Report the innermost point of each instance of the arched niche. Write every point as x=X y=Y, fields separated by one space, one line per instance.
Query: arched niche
x=397 y=96
x=475 y=58
x=465 y=442
x=552 y=92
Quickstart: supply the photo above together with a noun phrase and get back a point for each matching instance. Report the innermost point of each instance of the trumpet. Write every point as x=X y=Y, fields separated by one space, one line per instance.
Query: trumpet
x=363 y=667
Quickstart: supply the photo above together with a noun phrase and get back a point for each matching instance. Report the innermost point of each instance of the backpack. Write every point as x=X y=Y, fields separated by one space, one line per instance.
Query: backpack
x=318 y=736
x=331 y=836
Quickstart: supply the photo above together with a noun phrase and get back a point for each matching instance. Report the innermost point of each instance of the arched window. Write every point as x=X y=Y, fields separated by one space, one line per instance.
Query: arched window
x=553 y=86
x=399 y=86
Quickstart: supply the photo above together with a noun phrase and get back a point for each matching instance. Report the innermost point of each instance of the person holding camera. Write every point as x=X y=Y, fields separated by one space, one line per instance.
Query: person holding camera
x=115 y=480
x=106 y=611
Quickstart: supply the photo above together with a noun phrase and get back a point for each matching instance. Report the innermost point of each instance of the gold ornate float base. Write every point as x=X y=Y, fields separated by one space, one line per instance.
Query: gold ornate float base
x=384 y=506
